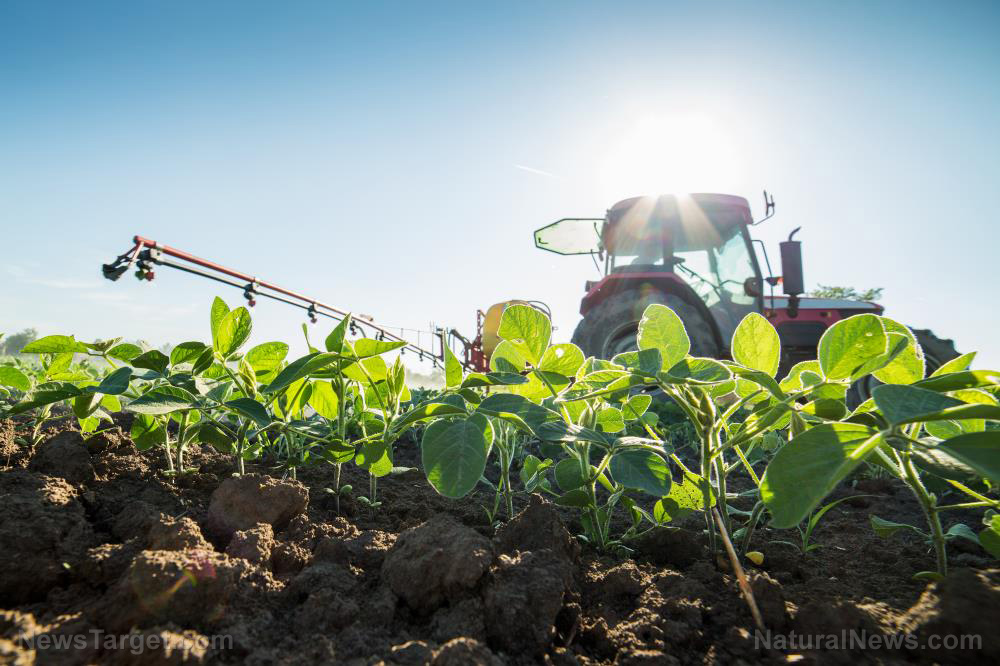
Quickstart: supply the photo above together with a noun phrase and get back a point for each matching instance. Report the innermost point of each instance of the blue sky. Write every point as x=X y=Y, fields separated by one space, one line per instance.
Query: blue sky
x=393 y=158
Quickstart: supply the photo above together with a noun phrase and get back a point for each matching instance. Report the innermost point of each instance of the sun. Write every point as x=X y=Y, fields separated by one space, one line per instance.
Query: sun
x=669 y=154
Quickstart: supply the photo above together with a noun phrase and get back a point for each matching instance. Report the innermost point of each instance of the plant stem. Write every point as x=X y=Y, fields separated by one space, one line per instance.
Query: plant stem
x=181 y=432
x=706 y=490
x=741 y=576
x=927 y=503
x=751 y=526
x=336 y=486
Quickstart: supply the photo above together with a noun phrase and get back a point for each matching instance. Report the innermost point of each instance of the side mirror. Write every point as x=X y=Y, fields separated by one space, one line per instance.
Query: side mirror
x=792 y=281
x=751 y=287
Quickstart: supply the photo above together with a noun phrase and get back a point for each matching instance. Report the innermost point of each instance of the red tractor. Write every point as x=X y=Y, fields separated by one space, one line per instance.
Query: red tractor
x=694 y=254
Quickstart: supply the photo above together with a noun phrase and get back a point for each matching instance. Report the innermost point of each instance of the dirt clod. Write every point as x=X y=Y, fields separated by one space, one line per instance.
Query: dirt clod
x=186 y=587
x=254 y=545
x=966 y=603
x=465 y=652
x=436 y=560
x=176 y=534
x=522 y=599
x=64 y=455
x=240 y=503
x=537 y=527
x=44 y=533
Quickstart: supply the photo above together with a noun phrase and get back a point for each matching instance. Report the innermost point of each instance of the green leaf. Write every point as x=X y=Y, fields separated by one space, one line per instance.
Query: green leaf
x=101 y=346
x=454 y=454
x=187 y=352
x=232 y=332
x=568 y=474
x=438 y=408
x=955 y=381
x=84 y=405
x=948 y=429
x=366 y=347
x=807 y=468
x=14 y=378
x=266 y=358
x=578 y=498
x=643 y=470
x=324 y=400
x=368 y=370
x=849 y=344
x=563 y=359
x=527 y=329
x=683 y=499
x=124 y=352
x=957 y=364
x=517 y=409
x=699 y=371
x=896 y=344
x=452 y=369
x=219 y=312
x=636 y=406
x=479 y=379
x=826 y=408
x=756 y=345
x=508 y=358
x=154 y=360
x=163 y=400
x=115 y=383
x=299 y=368
x=335 y=341
x=294 y=399
x=932 y=459
x=989 y=538
x=886 y=528
x=645 y=361
x=45 y=394
x=908 y=365
x=978 y=450
x=902 y=404
x=610 y=419
x=147 y=432
x=251 y=409
x=560 y=431
x=660 y=328
x=54 y=344
x=375 y=457
x=757 y=379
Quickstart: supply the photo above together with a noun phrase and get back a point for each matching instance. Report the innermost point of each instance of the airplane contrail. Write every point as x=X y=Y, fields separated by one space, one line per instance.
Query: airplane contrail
x=537 y=171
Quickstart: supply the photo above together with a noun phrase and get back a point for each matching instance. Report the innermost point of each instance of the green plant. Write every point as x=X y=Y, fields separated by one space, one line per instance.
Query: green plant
x=805 y=544
x=913 y=427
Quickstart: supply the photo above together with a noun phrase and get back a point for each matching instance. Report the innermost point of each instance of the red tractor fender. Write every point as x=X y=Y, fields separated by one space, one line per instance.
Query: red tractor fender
x=668 y=283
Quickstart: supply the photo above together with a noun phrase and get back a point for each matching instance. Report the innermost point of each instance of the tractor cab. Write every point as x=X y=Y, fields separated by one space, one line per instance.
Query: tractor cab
x=694 y=253
x=695 y=247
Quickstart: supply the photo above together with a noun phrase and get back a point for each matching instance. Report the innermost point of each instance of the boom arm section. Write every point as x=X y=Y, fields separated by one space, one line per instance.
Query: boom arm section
x=147 y=253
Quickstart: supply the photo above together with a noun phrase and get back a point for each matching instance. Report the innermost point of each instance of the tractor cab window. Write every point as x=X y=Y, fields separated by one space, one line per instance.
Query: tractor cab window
x=717 y=275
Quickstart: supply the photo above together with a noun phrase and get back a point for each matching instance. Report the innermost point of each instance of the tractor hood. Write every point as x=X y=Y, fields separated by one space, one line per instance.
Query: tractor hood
x=688 y=222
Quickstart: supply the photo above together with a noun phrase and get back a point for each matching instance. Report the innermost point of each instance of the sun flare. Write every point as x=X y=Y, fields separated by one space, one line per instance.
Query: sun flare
x=670 y=154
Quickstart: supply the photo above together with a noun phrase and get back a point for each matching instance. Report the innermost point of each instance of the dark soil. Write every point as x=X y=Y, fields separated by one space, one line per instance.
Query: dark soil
x=95 y=538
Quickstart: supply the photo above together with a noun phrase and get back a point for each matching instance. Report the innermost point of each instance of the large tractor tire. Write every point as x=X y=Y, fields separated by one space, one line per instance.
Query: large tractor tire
x=610 y=328
x=937 y=352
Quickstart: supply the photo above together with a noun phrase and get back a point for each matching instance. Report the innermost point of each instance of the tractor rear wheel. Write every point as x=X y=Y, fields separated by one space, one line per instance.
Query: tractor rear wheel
x=610 y=328
x=937 y=352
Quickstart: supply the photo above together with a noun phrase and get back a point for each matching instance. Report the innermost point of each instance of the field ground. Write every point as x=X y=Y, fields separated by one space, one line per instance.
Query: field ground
x=96 y=538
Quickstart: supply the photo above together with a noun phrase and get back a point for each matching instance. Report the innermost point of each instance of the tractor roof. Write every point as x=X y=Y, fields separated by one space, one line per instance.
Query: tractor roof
x=688 y=221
